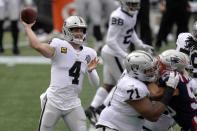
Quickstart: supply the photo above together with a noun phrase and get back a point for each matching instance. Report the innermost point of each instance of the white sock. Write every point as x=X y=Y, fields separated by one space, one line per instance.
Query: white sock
x=99 y=97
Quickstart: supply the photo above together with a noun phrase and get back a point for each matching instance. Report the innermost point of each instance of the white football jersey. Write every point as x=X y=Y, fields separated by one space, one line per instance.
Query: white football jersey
x=181 y=44
x=120 y=33
x=68 y=67
x=182 y=47
x=120 y=115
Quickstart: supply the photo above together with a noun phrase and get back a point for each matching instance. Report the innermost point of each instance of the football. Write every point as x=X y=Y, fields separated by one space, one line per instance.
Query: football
x=28 y=15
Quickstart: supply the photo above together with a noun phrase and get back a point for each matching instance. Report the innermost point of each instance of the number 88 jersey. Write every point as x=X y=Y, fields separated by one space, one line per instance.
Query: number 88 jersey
x=120 y=33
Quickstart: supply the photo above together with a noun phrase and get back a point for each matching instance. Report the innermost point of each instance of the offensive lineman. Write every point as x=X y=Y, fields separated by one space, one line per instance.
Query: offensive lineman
x=70 y=60
x=182 y=104
x=130 y=102
x=120 y=36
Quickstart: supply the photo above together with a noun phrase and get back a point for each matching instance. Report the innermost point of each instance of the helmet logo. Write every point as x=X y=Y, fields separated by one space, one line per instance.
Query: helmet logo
x=174 y=60
x=134 y=67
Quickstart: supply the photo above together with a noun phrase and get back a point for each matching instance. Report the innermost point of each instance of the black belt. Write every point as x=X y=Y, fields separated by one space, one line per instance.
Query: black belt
x=104 y=127
x=146 y=129
x=100 y=126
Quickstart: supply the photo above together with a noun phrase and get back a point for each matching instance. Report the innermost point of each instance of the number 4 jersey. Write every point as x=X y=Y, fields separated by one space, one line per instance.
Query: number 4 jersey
x=68 y=67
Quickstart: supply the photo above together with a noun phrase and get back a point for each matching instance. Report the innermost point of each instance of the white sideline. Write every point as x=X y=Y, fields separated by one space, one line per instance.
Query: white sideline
x=12 y=60
x=21 y=44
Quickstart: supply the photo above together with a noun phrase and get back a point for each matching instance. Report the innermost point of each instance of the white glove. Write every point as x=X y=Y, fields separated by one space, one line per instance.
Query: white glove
x=148 y=48
x=173 y=80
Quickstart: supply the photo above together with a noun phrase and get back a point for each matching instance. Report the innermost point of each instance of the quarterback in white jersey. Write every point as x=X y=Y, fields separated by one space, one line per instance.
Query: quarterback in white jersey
x=130 y=102
x=70 y=61
x=120 y=36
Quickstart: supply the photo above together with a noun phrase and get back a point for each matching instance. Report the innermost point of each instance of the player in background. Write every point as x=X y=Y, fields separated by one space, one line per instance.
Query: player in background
x=182 y=107
x=130 y=102
x=120 y=36
x=11 y=9
x=99 y=9
x=187 y=43
x=70 y=61
x=97 y=13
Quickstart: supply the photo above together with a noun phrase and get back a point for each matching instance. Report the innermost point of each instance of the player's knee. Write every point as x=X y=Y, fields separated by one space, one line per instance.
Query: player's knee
x=48 y=121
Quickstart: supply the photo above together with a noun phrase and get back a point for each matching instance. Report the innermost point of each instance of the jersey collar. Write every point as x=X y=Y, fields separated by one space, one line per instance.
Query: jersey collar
x=126 y=12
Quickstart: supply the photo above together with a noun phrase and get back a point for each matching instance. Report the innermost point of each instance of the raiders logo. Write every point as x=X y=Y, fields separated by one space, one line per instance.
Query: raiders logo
x=134 y=68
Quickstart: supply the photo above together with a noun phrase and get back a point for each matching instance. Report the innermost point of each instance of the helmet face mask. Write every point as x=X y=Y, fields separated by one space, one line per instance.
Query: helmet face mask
x=141 y=65
x=78 y=34
x=71 y=28
x=130 y=6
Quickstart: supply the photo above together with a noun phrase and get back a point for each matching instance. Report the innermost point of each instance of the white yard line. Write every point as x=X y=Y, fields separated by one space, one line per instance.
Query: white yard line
x=12 y=60
x=21 y=44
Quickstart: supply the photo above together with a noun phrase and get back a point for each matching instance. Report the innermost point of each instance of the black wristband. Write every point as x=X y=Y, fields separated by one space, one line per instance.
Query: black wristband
x=100 y=108
x=167 y=95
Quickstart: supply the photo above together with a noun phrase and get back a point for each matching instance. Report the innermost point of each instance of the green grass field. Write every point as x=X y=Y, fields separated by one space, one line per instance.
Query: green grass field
x=20 y=88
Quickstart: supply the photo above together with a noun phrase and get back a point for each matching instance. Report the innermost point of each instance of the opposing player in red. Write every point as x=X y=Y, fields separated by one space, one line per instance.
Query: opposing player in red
x=182 y=106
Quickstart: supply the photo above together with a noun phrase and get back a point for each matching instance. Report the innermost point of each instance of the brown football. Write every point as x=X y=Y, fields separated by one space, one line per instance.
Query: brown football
x=28 y=15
